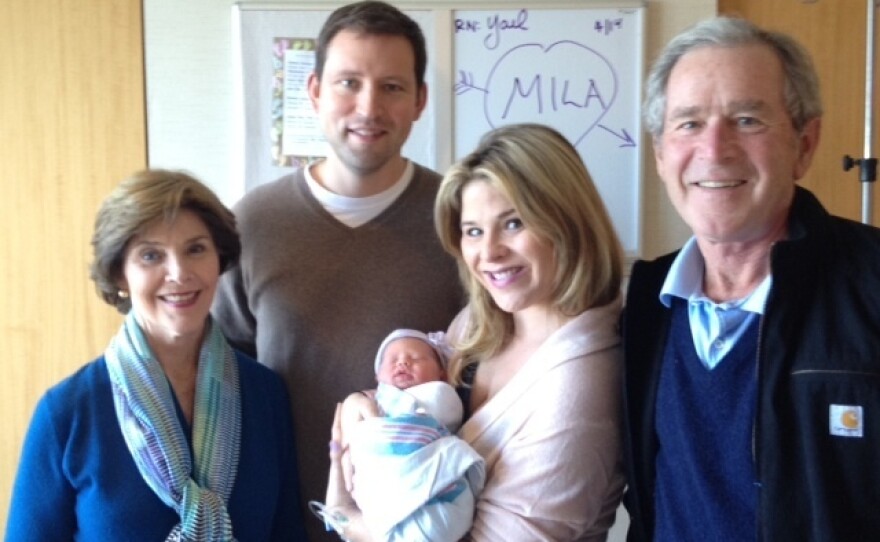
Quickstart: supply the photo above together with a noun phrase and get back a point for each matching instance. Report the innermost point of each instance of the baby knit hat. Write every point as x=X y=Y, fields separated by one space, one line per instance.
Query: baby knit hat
x=436 y=340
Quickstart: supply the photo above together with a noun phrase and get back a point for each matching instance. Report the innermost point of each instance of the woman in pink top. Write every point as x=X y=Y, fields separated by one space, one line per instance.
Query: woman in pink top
x=537 y=349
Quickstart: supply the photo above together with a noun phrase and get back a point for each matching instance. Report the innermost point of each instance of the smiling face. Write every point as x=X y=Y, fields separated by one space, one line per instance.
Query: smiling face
x=367 y=100
x=512 y=263
x=729 y=154
x=171 y=272
x=409 y=361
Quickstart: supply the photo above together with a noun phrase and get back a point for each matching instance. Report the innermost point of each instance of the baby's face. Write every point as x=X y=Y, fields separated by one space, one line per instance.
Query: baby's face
x=409 y=361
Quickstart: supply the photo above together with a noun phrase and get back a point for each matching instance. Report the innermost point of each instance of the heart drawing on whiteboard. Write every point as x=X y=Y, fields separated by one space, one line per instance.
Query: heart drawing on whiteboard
x=566 y=85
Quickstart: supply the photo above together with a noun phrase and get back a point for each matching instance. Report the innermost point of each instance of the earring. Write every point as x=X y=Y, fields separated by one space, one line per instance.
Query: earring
x=123 y=294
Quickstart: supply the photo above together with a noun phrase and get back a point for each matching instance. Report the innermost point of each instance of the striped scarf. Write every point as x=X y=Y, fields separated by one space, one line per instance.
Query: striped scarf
x=196 y=486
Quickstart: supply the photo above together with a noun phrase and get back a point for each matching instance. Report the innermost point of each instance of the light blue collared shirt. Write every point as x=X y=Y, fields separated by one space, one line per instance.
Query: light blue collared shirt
x=715 y=327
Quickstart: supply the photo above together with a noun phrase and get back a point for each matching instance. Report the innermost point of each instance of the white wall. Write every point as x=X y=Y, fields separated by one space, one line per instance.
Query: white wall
x=192 y=103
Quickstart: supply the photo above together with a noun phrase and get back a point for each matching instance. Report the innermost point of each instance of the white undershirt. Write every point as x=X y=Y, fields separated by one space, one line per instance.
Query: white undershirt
x=354 y=212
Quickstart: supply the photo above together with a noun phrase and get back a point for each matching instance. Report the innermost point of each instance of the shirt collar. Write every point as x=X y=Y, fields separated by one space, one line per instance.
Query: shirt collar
x=685 y=276
x=685 y=280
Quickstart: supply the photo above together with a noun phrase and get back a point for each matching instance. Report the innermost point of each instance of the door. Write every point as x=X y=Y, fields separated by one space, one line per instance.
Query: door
x=73 y=124
x=834 y=33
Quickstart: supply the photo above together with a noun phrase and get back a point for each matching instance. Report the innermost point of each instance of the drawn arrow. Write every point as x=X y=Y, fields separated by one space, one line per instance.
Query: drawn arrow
x=627 y=140
x=466 y=83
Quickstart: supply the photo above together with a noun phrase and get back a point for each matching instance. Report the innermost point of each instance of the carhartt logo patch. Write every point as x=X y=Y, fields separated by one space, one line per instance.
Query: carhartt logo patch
x=846 y=420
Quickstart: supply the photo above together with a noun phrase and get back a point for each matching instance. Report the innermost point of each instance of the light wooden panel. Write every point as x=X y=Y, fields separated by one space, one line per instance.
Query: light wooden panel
x=834 y=32
x=73 y=124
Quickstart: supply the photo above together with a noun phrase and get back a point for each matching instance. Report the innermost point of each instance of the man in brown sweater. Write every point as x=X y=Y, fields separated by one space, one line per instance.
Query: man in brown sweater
x=338 y=254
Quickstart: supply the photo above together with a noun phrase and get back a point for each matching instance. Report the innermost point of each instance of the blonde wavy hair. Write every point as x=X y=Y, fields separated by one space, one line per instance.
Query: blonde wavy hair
x=547 y=182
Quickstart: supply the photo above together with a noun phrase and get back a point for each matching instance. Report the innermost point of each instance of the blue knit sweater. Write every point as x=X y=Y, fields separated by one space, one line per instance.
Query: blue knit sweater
x=705 y=473
x=77 y=481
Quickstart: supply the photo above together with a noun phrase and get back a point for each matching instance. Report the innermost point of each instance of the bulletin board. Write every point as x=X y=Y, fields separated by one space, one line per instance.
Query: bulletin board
x=576 y=66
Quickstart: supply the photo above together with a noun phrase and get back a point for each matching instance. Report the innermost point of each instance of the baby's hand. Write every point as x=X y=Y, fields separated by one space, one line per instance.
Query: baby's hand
x=367 y=405
x=358 y=406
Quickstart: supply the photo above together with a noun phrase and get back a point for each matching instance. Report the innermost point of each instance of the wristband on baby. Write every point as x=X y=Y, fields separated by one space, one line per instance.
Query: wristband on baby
x=332 y=518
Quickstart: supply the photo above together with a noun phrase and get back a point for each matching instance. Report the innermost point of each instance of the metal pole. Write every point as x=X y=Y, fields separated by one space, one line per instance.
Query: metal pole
x=868 y=187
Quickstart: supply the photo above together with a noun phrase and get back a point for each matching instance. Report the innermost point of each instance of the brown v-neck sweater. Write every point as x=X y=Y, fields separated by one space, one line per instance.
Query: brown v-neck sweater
x=313 y=299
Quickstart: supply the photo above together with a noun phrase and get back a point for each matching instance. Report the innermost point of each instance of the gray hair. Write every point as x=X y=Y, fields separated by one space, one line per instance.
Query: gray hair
x=801 y=92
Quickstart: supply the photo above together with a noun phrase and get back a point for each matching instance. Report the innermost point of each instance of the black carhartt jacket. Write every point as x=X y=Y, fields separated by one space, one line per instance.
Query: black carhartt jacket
x=817 y=459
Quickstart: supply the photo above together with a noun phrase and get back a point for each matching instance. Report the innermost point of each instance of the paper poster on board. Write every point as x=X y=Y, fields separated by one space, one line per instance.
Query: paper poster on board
x=295 y=137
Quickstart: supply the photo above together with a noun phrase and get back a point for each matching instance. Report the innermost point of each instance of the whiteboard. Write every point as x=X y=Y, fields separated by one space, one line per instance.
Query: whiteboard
x=577 y=70
x=573 y=67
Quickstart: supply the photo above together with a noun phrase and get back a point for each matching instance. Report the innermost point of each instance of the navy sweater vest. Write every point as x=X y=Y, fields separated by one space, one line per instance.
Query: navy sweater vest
x=706 y=488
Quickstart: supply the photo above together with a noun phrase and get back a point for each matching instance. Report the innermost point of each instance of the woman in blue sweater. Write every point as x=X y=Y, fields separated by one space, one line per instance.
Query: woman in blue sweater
x=170 y=434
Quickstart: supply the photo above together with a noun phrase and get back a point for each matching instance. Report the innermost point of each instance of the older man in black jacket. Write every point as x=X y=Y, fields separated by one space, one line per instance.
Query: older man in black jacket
x=753 y=353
